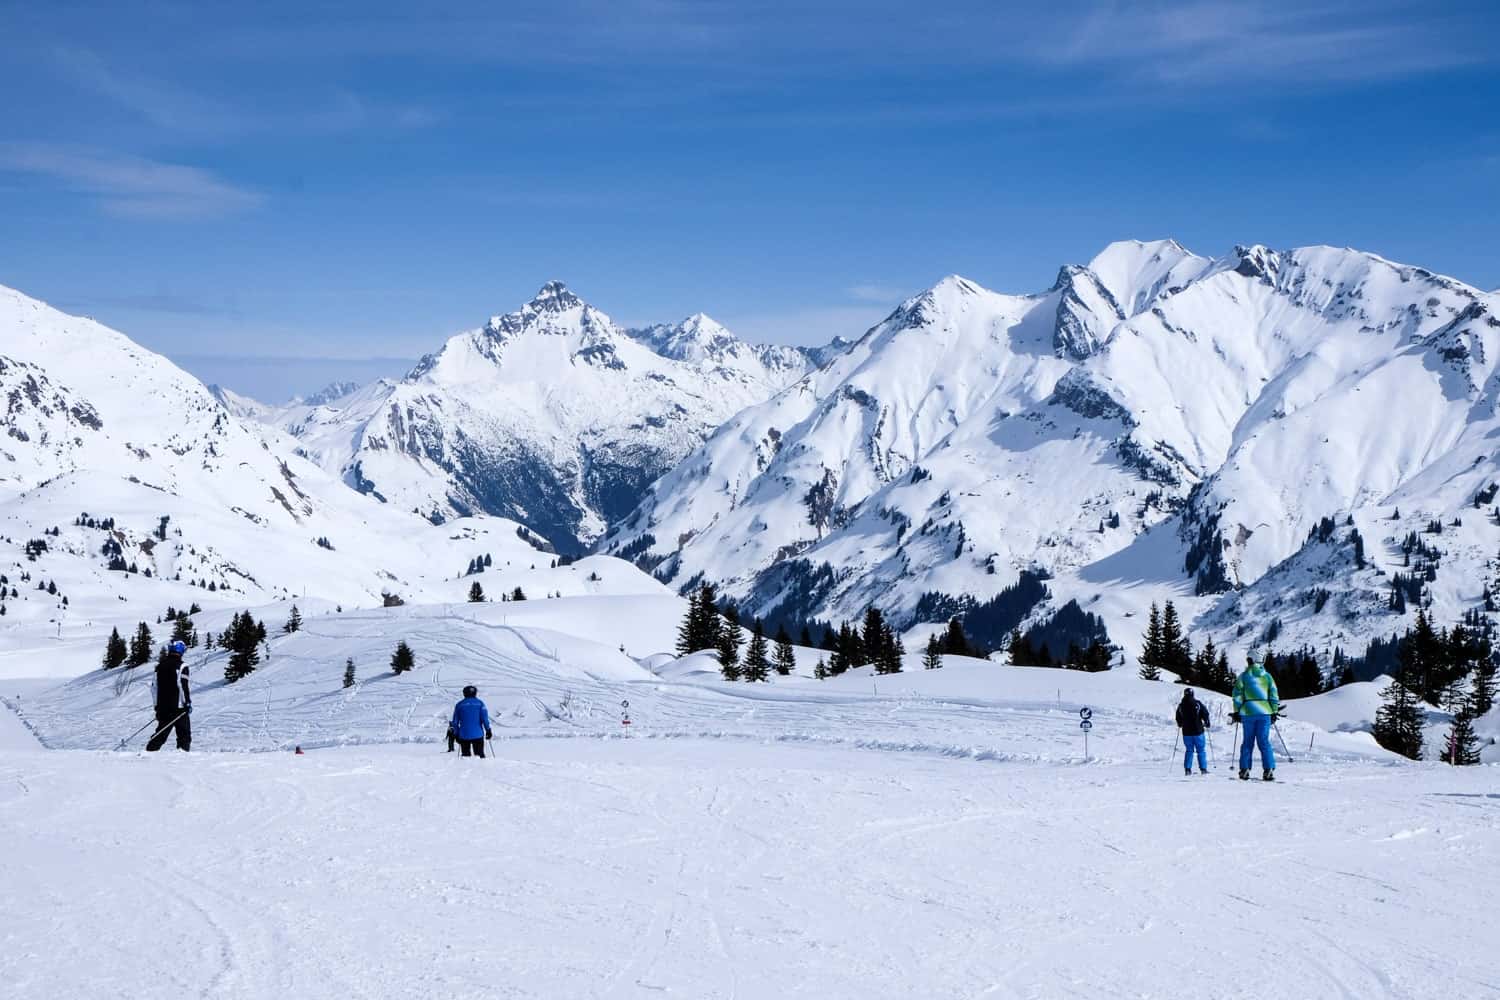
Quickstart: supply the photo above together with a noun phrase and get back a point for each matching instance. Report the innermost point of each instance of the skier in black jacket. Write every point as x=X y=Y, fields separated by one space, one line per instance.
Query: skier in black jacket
x=174 y=703
x=1192 y=719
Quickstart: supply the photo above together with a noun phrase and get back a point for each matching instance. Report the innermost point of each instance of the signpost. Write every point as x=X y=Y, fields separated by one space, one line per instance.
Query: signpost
x=1086 y=715
x=625 y=714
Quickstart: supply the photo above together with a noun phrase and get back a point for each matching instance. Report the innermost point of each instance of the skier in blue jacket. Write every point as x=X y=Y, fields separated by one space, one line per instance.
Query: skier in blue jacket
x=471 y=723
x=1256 y=706
x=1192 y=719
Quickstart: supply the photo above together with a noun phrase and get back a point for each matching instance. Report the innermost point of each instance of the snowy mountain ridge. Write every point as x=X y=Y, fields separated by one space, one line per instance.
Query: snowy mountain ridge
x=1156 y=425
x=551 y=415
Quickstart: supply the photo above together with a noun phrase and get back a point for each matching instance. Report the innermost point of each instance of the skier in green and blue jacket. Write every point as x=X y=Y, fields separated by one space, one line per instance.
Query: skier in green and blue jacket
x=1256 y=706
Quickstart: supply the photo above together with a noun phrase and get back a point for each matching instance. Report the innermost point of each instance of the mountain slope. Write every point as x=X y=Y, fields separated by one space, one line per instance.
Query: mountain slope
x=110 y=456
x=1232 y=404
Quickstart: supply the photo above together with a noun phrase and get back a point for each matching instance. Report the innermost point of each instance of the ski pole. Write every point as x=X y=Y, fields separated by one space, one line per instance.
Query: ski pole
x=1277 y=726
x=163 y=729
x=1210 y=737
x=138 y=732
x=1235 y=752
x=1176 y=735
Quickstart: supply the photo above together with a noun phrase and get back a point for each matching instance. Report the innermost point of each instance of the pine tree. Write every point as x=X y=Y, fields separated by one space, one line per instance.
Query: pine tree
x=731 y=638
x=1463 y=744
x=955 y=642
x=805 y=640
x=891 y=650
x=820 y=670
x=518 y=594
x=1398 y=721
x=349 y=673
x=757 y=663
x=1149 y=671
x=1020 y=653
x=183 y=630
x=1176 y=649
x=476 y=593
x=932 y=659
x=1203 y=665
x=872 y=639
x=687 y=632
x=1428 y=650
x=785 y=658
x=1223 y=675
x=837 y=662
x=1482 y=696
x=115 y=650
x=1151 y=648
x=847 y=655
x=294 y=622
x=402 y=659
x=242 y=639
x=710 y=625
x=140 y=646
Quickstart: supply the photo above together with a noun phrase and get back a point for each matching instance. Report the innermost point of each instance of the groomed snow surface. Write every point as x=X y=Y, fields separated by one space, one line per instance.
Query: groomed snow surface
x=931 y=834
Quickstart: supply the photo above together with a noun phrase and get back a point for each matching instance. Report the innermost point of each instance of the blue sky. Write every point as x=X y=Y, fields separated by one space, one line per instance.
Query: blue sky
x=347 y=184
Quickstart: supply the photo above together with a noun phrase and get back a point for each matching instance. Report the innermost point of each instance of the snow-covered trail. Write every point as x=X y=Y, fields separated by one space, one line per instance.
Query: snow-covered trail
x=689 y=868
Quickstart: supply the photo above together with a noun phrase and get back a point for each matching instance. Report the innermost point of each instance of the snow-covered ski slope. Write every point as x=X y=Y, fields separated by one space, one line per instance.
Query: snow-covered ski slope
x=541 y=680
x=635 y=867
x=933 y=833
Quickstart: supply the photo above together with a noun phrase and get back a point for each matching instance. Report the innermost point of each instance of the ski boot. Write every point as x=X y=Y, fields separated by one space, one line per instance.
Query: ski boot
x=1268 y=776
x=1188 y=771
x=1202 y=770
x=1244 y=774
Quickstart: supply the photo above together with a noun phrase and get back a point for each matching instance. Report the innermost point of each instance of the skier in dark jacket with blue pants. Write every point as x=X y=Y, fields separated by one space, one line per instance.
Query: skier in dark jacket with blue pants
x=471 y=723
x=1192 y=719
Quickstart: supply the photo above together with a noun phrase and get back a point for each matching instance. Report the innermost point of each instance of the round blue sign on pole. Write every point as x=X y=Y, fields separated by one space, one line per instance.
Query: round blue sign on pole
x=1085 y=713
x=1085 y=725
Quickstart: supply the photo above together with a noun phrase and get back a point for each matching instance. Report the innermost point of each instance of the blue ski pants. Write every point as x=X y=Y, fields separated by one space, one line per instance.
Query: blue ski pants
x=1194 y=744
x=1258 y=729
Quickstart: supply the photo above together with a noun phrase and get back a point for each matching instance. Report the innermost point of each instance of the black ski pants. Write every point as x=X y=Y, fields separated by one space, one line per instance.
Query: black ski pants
x=477 y=746
x=165 y=725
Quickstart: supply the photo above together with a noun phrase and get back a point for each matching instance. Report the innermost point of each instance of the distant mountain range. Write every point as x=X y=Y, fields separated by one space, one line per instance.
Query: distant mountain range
x=1297 y=447
x=552 y=415
x=1155 y=425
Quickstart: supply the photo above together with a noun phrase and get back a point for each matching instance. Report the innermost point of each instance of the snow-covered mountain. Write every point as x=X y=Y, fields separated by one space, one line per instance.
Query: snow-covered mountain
x=1157 y=424
x=551 y=415
x=287 y=414
x=700 y=340
x=111 y=456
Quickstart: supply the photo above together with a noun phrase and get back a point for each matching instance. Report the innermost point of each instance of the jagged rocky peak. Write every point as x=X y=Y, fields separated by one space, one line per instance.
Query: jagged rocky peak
x=920 y=309
x=1086 y=312
x=331 y=393
x=704 y=327
x=1257 y=262
x=695 y=337
x=554 y=296
x=552 y=302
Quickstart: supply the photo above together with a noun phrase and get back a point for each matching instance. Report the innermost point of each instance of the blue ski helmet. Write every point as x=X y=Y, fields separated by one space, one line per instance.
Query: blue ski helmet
x=179 y=647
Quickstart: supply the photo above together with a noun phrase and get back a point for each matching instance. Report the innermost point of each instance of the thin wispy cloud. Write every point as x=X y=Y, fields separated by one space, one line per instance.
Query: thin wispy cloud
x=182 y=110
x=1220 y=42
x=870 y=292
x=128 y=186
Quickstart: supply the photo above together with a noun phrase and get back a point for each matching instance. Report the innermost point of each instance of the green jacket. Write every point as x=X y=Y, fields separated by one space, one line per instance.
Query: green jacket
x=1255 y=692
